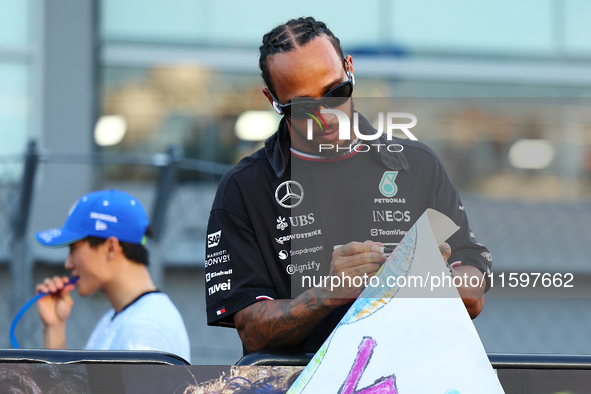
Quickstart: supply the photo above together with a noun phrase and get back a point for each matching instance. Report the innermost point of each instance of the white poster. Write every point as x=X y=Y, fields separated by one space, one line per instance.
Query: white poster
x=409 y=332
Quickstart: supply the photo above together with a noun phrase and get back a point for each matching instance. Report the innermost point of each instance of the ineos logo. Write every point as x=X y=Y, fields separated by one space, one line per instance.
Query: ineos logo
x=289 y=194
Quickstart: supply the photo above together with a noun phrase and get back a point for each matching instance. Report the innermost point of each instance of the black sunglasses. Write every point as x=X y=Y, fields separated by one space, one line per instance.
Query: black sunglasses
x=299 y=108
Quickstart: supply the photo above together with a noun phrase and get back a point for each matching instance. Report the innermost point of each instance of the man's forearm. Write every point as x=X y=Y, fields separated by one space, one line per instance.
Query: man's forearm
x=282 y=323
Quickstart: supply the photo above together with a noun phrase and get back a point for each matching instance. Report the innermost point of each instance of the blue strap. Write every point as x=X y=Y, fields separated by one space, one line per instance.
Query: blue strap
x=22 y=311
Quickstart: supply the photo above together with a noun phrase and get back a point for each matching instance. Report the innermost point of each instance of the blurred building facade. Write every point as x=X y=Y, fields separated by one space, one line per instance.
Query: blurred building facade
x=487 y=78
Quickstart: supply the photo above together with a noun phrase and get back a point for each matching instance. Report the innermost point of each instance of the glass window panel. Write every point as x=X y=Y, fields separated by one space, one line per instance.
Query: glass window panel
x=503 y=26
x=577 y=28
x=230 y=22
x=153 y=20
x=15 y=23
x=354 y=23
x=14 y=116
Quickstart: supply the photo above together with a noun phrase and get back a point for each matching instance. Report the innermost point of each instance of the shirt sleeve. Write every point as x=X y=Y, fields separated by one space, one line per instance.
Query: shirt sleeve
x=235 y=272
x=466 y=250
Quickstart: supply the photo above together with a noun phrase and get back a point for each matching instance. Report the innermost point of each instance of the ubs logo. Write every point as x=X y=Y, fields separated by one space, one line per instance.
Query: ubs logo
x=289 y=194
x=301 y=220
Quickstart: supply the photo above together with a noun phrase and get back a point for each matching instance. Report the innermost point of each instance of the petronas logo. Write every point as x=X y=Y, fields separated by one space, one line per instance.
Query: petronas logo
x=387 y=186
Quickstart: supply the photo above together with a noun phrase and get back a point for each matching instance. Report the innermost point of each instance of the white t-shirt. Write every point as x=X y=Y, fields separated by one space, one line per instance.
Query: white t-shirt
x=152 y=322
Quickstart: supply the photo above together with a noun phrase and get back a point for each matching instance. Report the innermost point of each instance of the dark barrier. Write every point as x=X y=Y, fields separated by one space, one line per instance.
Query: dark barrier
x=498 y=360
x=141 y=372
x=46 y=356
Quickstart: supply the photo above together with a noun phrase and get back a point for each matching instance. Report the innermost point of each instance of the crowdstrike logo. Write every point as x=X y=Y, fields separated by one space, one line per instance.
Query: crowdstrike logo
x=289 y=237
x=345 y=124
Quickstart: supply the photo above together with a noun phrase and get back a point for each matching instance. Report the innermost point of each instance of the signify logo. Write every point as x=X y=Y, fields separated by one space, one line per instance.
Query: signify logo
x=345 y=125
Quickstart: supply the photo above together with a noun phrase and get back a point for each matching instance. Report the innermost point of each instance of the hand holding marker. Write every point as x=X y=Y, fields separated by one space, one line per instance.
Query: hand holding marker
x=22 y=311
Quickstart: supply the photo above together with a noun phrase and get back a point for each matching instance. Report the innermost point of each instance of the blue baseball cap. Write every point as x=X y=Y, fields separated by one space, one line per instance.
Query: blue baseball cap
x=103 y=214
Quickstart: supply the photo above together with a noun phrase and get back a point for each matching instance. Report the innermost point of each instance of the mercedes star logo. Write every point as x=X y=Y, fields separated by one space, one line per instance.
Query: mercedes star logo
x=289 y=194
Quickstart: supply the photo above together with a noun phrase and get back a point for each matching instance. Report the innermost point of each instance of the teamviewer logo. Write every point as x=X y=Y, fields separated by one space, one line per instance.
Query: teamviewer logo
x=213 y=239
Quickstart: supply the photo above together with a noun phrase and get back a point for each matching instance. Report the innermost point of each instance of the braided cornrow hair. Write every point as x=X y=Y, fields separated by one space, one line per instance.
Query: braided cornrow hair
x=289 y=36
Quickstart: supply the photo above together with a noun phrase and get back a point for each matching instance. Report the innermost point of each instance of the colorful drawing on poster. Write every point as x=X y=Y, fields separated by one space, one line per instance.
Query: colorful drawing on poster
x=399 y=263
x=405 y=320
x=385 y=385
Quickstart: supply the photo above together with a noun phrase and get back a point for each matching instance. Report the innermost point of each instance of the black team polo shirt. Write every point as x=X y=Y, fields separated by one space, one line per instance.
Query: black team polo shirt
x=279 y=214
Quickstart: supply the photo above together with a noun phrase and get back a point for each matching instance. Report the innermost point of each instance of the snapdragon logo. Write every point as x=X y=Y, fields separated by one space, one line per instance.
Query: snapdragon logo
x=345 y=125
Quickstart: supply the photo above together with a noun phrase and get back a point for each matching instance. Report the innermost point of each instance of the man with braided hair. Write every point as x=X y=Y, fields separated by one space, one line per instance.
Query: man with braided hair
x=252 y=261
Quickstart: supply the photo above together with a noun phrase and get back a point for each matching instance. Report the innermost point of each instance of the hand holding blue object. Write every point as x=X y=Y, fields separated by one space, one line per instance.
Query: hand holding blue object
x=32 y=301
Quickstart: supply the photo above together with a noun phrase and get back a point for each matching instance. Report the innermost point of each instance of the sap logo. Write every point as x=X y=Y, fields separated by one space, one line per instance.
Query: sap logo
x=213 y=239
x=301 y=220
x=219 y=287
x=391 y=216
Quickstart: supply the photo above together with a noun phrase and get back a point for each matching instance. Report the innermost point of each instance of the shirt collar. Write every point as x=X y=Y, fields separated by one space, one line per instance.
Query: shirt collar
x=277 y=148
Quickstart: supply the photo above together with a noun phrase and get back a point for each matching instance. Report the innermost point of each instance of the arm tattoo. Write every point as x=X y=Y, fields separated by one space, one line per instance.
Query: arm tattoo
x=280 y=323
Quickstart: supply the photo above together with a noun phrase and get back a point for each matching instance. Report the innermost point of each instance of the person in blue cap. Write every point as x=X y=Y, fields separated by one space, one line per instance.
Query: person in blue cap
x=106 y=232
